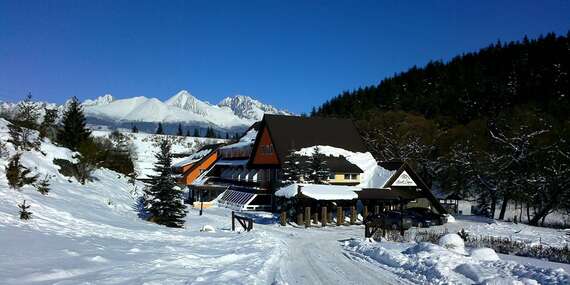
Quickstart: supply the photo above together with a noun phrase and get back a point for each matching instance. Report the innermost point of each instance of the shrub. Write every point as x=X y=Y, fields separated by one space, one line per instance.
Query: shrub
x=24 y=213
x=81 y=171
x=17 y=174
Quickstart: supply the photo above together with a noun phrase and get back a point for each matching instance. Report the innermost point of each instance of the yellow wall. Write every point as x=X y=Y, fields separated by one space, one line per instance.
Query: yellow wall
x=339 y=178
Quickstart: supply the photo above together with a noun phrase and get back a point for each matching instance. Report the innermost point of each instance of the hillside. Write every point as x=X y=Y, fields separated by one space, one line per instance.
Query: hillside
x=473 y=85
x=146 y=145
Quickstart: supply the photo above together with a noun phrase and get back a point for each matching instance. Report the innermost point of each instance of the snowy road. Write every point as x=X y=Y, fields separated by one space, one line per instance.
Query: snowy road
x=313 y=257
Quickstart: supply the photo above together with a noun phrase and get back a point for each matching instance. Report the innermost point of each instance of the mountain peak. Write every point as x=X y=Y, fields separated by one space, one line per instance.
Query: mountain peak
x=249 y=108
x=101 y=100
x=184 y=100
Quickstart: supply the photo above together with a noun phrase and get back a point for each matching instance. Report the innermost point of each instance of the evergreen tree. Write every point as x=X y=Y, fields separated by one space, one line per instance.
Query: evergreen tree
x=163 y=199
x=187 y=132
x=210 y=133
x=227 y=136
x=294 y=168
x=24 y=213
x=17 y=174
x=23 y=138
x=196 y=133
x=159 y=130
x=27 y=113
x=48 y=126
x=135 y=129
x=318 y=172
x=74 y=130
x=43 y=185
x=179 y=132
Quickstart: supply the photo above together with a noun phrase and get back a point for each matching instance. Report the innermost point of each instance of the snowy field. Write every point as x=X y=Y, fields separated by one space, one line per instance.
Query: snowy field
x=146 y=145
x=91 y=234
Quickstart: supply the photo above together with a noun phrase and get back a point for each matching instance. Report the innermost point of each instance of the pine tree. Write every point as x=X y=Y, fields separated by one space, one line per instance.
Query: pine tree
x=210 y=133
x=27 y=113
x=43 y=185
x=196 y=133
x=47 y=127
x=24 y=213
x=163 y=199
x=294 y=168
x=318 y=172
x=159 y=130
x=187 y=132
x=227 y=136
x=179 y=132
x=74 y=130
x=22 y=138
x=135 y=129
x=17 y=174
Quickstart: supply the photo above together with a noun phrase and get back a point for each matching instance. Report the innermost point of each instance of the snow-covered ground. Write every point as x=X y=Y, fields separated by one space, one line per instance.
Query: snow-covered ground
x=146 y=145
x=91 y=234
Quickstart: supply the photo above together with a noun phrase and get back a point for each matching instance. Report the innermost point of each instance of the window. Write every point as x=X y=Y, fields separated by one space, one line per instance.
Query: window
x=350 y=176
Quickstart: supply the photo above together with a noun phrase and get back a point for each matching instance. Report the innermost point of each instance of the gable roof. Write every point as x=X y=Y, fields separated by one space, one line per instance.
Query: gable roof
x=293 y=133
x=341 y=164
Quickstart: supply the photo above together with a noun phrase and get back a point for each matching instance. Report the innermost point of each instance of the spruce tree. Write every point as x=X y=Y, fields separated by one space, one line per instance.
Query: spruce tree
x=159 y=130
x=135 y=129
x=48 y=127
x=43 y=185
x=74 y=130
x=27 y=113
x=179 y=132
x=294 y=168
x=187 y=132
x=318 y=172
x=163 y=199
x=24 y=213
x=196 y=133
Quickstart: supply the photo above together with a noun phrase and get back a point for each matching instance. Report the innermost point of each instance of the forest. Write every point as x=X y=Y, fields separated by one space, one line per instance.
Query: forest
x=490 y=125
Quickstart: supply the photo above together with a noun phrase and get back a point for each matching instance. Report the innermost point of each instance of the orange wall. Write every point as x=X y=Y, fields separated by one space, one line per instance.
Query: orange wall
x=191 y=176
x=263 y=158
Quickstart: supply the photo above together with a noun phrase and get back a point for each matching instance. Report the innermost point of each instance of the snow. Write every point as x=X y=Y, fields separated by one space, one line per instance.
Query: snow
x=246 y=140
x=485 y=254
x=373 y=176
x=427 y=263
x=91 y=234
x=191 y=158
x=453 y=242
x=449 y=218
x=240 y=111
x=318 y=191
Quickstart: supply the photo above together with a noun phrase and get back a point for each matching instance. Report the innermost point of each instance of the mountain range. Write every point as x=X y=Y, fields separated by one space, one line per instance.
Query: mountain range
x=231 y=114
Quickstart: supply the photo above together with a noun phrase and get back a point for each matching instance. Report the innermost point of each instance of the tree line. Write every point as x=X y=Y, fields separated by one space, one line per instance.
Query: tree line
x=491 y=125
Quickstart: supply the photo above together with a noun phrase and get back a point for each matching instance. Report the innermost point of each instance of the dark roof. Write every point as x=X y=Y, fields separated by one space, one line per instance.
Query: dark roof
x=340 y=164
x=293 y=133
x=391 y=165
x=389 y=194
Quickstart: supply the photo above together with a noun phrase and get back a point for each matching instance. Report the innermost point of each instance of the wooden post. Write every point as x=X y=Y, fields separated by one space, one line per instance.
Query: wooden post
x=352 y=215
x=233 y=221
x=401 y=218
x=316 y=217
x=307 y=217
x=377 y=209
x=339 y=215
x=299 y=216
x=365 y=212
x=283 y=218
x=324 y=216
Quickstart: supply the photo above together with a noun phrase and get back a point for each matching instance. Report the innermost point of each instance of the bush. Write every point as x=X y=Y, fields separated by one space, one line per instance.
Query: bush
x=81 y=171
x=24 y=213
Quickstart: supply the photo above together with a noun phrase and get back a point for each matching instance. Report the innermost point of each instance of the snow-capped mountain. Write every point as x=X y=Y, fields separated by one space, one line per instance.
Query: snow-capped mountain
x=101 y=100
x=248 y=108
x=232 y=112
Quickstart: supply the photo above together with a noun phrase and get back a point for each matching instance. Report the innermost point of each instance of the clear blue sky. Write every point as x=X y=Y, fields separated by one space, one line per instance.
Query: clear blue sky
x=292 y=54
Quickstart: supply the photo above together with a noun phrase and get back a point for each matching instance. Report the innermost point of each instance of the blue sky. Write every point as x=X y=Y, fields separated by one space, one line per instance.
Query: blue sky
x=292 y=54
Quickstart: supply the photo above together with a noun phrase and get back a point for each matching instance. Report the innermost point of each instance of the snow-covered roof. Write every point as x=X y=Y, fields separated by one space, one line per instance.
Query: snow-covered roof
x=247 y=140
x=192 y=158
x=373 y=176
x=319 y=191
